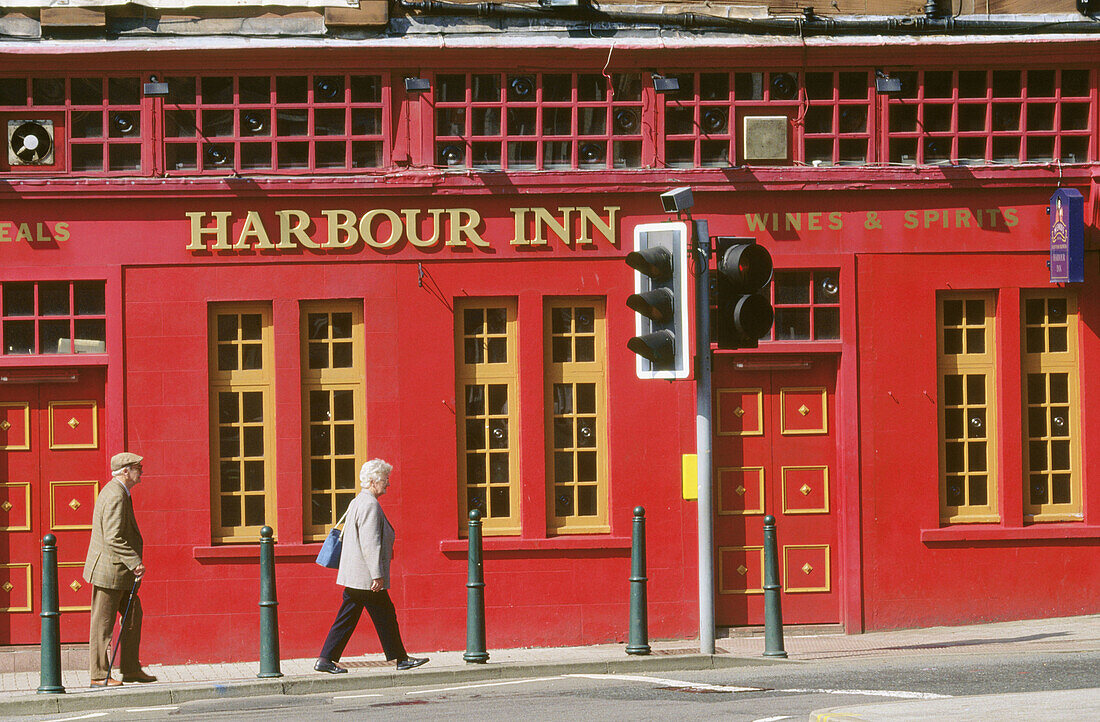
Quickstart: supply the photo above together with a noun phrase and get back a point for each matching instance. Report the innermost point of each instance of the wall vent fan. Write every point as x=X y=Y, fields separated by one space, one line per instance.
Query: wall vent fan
x=30 y=142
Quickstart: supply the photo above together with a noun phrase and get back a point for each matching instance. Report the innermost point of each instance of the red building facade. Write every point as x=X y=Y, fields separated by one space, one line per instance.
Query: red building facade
x=278 y=271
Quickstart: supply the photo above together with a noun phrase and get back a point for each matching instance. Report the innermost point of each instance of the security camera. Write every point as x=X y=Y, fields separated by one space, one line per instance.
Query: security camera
x=677 y=199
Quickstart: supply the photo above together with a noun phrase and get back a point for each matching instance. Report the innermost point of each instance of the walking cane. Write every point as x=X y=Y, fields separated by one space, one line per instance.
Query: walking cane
x=122 y=627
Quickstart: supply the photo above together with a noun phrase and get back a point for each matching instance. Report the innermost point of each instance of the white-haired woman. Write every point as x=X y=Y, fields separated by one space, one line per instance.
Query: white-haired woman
x=365 y=575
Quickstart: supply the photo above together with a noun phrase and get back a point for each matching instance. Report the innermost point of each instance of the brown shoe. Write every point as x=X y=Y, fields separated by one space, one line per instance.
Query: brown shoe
x=139 y=676
x=109 y=682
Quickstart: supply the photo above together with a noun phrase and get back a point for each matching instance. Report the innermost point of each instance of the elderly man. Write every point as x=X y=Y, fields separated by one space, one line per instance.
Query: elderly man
x=113 y=565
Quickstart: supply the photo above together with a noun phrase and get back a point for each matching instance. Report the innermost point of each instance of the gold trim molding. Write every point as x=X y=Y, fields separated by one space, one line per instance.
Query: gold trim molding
x=805 y=489
x=53 y=500
x=824 y=411
x=26 y=427
x=26 y=505
x=71 y=424
x=9 y=588
x=828 y=569
x=721 y=575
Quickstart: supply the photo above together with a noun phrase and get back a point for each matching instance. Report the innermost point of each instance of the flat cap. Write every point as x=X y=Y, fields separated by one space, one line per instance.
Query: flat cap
x=124 y=459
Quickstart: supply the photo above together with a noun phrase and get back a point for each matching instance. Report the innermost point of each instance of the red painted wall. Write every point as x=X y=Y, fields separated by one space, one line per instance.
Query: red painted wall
x=897 y=567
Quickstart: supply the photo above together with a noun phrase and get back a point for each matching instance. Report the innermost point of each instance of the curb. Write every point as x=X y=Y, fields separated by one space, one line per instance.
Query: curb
x=155 y=695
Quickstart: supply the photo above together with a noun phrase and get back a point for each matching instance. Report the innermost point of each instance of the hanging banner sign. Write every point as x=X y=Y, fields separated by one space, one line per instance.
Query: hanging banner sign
x=1067 y=236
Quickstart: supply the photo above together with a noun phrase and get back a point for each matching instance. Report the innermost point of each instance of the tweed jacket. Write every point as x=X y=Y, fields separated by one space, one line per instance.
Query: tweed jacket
x=116 y=545
x=368 y=544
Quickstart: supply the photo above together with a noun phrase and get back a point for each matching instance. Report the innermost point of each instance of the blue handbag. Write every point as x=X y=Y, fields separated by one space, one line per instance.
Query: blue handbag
x=329 y=556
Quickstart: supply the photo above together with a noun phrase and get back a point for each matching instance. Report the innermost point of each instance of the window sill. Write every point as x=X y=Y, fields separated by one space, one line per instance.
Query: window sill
x=560 y=543
x=976 y=533
x=251 y=552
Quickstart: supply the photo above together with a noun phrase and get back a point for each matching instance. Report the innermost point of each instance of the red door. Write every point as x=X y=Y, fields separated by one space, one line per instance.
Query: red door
x=52 y=462
x=775 y=453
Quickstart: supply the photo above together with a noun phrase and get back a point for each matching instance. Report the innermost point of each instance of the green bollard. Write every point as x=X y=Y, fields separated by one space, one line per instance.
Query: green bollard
x=50 y=673
x=639 y=617
x=773 y=613
x=269 y=613
x=475 y=596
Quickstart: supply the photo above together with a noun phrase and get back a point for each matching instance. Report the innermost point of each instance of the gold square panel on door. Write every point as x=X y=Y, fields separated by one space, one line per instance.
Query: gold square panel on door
x=15 y=587
x=804 y=411
x=72 y=503
x=741 y=490
x=740 y=412
x=806 y=568
x=15 y=506
x=805 y=489
x=15 y=424
x=74 y=594
x=73 y=425
x=741 y=570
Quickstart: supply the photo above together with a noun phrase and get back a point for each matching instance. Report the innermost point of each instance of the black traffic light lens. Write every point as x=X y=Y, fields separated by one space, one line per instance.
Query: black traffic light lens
x=747 y=266
x=654 y=262
x=658 y=347
x=753 y=316
x=656 y=304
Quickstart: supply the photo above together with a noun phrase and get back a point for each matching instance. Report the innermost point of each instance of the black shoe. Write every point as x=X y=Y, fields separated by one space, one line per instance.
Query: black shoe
x=324 y=665
x=410 y=663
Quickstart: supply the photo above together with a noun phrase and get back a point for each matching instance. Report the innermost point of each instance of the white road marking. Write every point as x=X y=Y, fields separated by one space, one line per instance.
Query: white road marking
x=153 y=709
x=484 y=684
x=870 y=693
x=773 y=719
x=356 y=696
x=668 y=682
x=84 y=716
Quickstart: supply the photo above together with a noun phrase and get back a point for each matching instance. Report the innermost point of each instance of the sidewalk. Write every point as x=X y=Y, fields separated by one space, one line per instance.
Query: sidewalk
x=182 y=683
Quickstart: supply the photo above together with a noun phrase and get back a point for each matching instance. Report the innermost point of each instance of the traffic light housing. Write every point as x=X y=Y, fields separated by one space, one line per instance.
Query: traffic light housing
x=659 y=260
x=743 y=314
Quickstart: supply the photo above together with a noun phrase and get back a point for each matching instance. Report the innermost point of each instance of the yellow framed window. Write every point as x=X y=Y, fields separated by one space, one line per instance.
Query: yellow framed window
x=576 y=416
x=487 y=379
x=333 y=410
x=242 y=428
x=968 y=414
x=1051 y=399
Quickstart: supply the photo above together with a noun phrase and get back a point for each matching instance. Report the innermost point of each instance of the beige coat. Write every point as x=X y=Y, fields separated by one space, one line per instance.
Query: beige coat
x=114 y=550
x=368 y=544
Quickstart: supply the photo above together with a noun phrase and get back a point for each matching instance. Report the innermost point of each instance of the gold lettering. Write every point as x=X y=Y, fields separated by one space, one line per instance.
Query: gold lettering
x=963 y=217
x=412 y=230
x=40 y=235
x=61 y=231
x=793 y=221
x=836 y=221
x=520 y=217
x=930 y=217
x=544 y=220
x=757 y=222
x=994 y=213
x=815 y=221
x=467 y=227
x=219 y=231
x=911 y=220
x=297 y=231
x=346 y=223
x=24 y=233
x=253 y=227
x=1010 y=217
x=396 y=227
x=589 y=219
x=4 y=237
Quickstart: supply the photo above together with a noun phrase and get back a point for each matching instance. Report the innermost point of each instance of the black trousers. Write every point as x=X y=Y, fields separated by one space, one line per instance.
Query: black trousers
x=381 y=611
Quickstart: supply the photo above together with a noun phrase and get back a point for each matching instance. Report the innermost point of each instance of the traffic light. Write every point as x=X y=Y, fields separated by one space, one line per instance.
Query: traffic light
x=659 y=260
x=743 y=315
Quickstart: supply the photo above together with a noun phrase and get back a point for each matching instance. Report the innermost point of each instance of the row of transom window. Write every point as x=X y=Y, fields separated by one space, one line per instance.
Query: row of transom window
x=545 y=121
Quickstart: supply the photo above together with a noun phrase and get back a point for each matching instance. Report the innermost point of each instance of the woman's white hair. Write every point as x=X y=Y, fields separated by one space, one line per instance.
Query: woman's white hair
x=374 y=471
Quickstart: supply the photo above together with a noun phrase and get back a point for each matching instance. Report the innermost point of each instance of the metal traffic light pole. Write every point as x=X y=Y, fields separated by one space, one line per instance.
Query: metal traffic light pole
x=700 y=233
